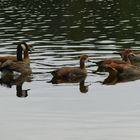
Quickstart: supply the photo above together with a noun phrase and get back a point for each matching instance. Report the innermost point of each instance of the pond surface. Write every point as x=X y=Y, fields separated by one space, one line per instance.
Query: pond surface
x=60 y=32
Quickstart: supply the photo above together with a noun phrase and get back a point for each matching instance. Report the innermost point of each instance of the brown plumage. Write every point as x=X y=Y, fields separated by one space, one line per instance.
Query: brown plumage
x=18 y=66
x=110 y=62
x=72 y=72
x=124 y=54
x=122 y=74
x=5 y=58
x=25 y=49
x=130 y=56
x=21 y=65
x=115 y=63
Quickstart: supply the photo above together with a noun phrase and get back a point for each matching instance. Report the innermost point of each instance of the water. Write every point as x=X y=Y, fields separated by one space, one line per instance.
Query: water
x=61 y=31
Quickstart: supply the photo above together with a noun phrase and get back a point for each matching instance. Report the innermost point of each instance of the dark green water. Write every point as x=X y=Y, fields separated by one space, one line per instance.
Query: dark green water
x=92 y=22
x=61 y=31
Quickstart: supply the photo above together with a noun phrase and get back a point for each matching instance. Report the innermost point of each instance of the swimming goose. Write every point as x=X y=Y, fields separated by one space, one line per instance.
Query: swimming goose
x=21 y=64
x=72 y=72
x=22 y=47
x=112 y=62
x=122 y=74
x=130 y=56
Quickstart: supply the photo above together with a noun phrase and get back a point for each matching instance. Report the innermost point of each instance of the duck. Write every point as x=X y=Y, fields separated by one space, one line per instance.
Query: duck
x=112 y=62
x=130 y=56
x=121 y=74
x=134 y=59
x=21 y=65
x=21 y=47
x=124 y=54
x=72 y=72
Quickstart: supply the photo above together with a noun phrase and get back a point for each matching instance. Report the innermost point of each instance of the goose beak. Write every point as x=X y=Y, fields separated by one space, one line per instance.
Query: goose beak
x=92 y=61
x=30 y=48
x=89 y=60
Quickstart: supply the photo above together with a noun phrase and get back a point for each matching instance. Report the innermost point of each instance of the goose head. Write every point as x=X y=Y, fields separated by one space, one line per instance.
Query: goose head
x=23 y=47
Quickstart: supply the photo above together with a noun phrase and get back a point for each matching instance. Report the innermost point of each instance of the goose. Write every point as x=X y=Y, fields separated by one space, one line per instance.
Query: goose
x=72 y=72
x=21 y=47
x=18 y=64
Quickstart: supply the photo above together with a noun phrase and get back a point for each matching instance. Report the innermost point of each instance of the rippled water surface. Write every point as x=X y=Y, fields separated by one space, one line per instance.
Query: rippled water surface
x=60 y=32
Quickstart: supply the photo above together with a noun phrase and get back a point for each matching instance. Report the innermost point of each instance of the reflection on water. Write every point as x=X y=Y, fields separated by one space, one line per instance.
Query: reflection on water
x=63 y=30
x=8 y=79
x=21 y=92
x=82 y=87
x=98 y=23
x=60 y=31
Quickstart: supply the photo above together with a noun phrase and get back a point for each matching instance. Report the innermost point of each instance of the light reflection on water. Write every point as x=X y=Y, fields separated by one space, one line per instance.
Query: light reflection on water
x=86 y=23
x=61 y=31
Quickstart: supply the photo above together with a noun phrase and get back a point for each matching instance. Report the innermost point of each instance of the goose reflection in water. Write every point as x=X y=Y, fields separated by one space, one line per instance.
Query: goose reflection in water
x=72 y=74
x=119 y=70
x=21 y=92
x=9 y=79
x=17 y=63
x=82 y=87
